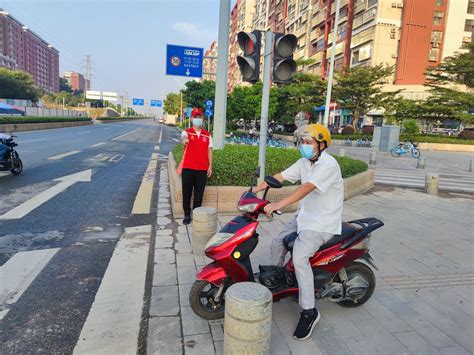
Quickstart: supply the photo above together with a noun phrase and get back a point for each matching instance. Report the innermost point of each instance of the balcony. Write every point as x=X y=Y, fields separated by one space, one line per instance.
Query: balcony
x=342 y=3
x=339 y=49
x=364 y=18
x=320 y=17
x=360 y=7
x=314 y=36
x=300 y=31
x=318 y=57
x=299 y=53
x=364 y=36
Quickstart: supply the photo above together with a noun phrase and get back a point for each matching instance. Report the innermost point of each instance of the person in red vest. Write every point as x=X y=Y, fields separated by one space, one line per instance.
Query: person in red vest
x=196 y=164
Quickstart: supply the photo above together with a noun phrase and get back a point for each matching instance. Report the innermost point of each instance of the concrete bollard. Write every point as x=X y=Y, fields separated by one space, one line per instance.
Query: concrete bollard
x=431 y=184
x=342 y=152
x=204 y=227
x=248 y=319
x=470 y=166
x=421 y=163
x=373 y=158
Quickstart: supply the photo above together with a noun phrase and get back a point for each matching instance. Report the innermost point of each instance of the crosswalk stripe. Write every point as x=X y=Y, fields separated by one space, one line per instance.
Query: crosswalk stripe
x=19 y=272
x=113 y=323
x=64 y=155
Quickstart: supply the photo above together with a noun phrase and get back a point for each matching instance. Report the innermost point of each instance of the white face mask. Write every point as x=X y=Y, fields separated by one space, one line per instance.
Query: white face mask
x=197 y=122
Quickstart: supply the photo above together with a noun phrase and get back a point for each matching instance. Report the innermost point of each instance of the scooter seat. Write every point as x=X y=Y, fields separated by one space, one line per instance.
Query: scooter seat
x=348 y=230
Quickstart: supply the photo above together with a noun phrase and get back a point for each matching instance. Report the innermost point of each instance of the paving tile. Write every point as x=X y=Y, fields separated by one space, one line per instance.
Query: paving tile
x=183 y=248
x=415 y=343
x=182 y=237
x=184 y=294
x=164 y=241
x=219 y=347
x=192 y=324
x=164 y=275
x=185 y=260
x=454 y=350
x=164 y=336
x=164 y=256
x=217 y=332
x=198 y=345
x=186 y=274
x=164 y=232
x=164 y=301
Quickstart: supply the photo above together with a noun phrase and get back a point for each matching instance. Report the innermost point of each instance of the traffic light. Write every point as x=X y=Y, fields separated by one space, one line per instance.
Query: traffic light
x=283 y=64
x=249 y=62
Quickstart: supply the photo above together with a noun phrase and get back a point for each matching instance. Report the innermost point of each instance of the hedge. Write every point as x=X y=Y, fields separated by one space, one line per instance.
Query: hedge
x=34 y=119
x=121 y=118
x=235 y=164
x=414 y=138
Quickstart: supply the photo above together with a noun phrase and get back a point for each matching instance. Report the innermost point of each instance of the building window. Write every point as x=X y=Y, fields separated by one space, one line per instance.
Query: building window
x=434 y=54
x=470 y=7
x=320 y=45
x=438 y=18
x=439 y=2
x=371 y=3
x=469 y=26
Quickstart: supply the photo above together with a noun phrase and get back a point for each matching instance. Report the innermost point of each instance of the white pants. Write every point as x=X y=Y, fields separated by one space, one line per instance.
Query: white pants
x=307 y=243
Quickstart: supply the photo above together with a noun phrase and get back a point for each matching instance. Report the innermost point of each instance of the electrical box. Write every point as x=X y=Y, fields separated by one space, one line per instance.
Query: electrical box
x=386 y=137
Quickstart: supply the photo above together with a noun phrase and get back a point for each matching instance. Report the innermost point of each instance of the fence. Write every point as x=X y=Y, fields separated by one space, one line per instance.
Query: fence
x=53 y=112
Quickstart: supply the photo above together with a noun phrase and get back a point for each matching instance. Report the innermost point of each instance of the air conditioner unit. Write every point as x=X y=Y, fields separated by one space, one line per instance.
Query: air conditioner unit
x=400 y=5
x=392 y=35
x=394 y=4
x=393 y=30
x=435 y=45
x=394 y=55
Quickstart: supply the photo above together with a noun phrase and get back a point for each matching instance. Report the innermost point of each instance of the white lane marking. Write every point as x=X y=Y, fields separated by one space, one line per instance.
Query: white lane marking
x=116 y=158
x=98 y=144
x=64 y=155
x=32 y=140
x=161 y=135
x=142 y=202
x=33 y=203
x=4 y=174
x=84 y=133
x=126 y=134
x=19 y=272
x=113 y=323
x=175 y=140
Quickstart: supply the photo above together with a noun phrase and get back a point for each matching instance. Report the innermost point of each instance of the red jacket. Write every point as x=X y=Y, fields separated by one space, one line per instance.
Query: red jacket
x=196 y=153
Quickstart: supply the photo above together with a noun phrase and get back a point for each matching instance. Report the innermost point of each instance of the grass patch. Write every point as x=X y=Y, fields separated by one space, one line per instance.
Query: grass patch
x=235 y=164
x=121 y=118
x=34 y=119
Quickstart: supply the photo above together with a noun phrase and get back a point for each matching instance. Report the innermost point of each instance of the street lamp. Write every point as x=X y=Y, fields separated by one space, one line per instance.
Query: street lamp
x=181 y=104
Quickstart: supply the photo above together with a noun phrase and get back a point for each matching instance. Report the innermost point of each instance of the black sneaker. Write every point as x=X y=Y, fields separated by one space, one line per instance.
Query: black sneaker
x=308 y=320
x=187 y=220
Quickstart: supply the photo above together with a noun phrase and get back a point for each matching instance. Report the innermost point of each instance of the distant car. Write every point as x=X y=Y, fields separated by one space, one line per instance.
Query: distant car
x=161 y=120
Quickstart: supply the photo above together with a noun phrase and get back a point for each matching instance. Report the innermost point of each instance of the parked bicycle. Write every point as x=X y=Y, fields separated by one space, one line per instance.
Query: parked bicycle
x=406 y=148
x=363 y=142
x=348 y=142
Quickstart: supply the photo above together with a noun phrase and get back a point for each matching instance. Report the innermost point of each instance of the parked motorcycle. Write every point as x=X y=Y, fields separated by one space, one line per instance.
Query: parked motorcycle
x=340 y=267
x=11 y=161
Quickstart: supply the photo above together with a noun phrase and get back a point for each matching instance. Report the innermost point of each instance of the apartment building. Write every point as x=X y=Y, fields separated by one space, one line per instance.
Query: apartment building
x=21 y=48
x=75 y=80
x=210 y=65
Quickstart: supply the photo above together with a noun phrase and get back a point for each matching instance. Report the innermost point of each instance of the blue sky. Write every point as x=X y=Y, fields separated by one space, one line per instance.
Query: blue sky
x=126 y=38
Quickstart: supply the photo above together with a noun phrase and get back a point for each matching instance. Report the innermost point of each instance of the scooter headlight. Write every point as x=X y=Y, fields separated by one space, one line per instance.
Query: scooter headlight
x=218 y=239
x=250 y=207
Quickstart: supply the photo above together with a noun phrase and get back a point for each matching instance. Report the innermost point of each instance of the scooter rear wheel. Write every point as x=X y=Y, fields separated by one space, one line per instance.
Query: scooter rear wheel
x=18 y=167
x=200 y=300
x=362 y=270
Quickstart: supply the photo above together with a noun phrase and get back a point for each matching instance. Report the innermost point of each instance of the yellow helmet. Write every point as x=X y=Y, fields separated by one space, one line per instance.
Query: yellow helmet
x=318 y=132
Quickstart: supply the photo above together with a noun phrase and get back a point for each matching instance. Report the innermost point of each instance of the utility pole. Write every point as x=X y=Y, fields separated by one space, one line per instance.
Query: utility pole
x=267 y=64
x=88 y=68
x=331 y=66
x=221 y=74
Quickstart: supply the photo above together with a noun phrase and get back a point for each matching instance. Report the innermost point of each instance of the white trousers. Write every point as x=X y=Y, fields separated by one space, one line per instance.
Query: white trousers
x=307 y=243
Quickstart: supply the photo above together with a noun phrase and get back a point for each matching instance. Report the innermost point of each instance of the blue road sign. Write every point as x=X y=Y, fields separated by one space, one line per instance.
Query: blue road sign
x=156 y=103
x=138 y=102
x=209 y=103
x=188 y=111
x=184 y=61
x=209 y=112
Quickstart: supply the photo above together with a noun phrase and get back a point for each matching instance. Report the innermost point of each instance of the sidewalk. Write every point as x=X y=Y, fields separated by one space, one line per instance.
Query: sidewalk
x=423 y=303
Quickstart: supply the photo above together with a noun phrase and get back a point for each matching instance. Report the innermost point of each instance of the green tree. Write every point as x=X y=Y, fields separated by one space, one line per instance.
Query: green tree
x=172 y=104
x=303 y=94
x=359 y=89
x=196 y=93
x=64 y=85
x=411 y=127
x=17 y=84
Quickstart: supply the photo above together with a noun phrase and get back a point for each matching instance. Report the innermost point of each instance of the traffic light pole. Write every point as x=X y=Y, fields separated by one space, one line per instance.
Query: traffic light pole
x=267 y=64
x=221 y=75
x=331 y=67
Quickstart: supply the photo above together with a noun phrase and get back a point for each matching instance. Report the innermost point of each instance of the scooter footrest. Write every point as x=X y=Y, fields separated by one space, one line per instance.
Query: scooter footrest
x=269 y=268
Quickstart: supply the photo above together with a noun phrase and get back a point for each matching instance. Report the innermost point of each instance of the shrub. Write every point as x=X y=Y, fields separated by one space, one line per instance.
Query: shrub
x=348 y=130
x=368 y=130
x=467 y=133
x=411 y=127
x=34 y=119
x=121 y=118
x=235 y=164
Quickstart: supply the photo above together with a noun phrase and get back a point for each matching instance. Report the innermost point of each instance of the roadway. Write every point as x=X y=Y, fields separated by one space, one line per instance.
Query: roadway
x=61 y=219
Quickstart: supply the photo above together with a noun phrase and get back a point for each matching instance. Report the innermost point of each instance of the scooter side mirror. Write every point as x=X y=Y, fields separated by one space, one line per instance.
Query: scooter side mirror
x=273 y=182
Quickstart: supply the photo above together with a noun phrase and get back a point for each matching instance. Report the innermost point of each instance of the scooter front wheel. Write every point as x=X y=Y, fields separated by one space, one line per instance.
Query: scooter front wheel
x=202 y=302
x=366 y=275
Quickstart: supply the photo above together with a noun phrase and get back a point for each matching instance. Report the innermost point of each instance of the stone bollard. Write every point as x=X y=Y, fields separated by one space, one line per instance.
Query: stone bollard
x=342 y=152
x=421 y=163
x=470 y=167
x=248 y=319
x=204 y=227
x=373 y=158
x=431 y=184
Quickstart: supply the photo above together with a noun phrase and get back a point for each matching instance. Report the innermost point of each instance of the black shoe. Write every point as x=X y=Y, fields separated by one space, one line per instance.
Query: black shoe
x=308 y=320
x=187 y=220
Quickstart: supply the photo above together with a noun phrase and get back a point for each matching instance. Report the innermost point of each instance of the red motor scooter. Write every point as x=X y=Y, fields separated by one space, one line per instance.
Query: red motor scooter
x=340 y=266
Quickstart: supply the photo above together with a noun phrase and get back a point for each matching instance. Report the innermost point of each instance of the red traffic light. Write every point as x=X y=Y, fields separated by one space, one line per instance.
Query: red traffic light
x=247 y=42
x=249 y=62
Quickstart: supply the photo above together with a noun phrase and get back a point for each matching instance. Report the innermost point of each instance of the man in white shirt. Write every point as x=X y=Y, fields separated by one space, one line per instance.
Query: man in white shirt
x=318 y=218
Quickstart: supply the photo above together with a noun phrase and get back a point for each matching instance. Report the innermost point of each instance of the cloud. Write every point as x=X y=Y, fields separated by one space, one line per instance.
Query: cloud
x=193 y=31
